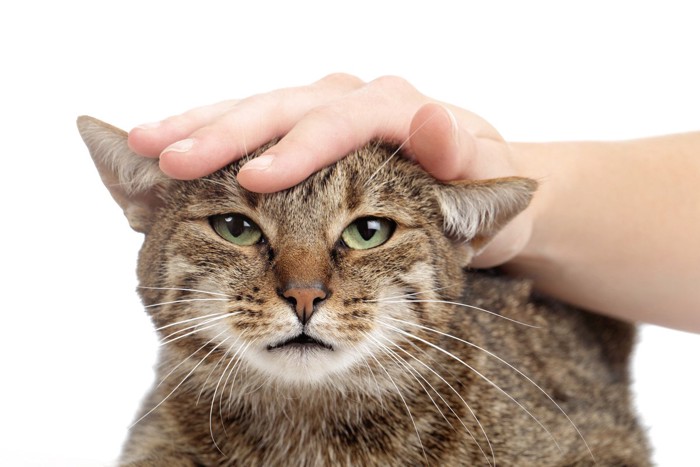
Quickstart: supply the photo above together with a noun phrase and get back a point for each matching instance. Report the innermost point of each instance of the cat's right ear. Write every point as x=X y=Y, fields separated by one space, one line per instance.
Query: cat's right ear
x=135 y=182
x=475 y=211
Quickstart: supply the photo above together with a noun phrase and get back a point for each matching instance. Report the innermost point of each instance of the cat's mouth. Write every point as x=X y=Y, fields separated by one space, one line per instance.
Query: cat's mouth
x=302 y=341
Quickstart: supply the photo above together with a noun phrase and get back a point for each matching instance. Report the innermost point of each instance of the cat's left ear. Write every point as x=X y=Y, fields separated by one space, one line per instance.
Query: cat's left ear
x=135 y=182
x=474 y=211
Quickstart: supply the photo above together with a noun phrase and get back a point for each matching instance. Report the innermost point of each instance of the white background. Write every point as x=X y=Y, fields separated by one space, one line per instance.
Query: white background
x=76 y=350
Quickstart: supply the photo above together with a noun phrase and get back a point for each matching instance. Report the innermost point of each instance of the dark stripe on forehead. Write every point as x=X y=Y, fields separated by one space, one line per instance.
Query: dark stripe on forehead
x=324 y=177
x=251 y=199
x=353 y=195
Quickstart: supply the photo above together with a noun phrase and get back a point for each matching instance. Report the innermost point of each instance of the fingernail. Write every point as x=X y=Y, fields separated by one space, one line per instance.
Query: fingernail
x=259 y=163
x=148 y=126
x=180 y=146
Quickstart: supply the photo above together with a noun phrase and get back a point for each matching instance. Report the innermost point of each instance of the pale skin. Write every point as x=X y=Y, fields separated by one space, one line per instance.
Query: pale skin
x=614 y=226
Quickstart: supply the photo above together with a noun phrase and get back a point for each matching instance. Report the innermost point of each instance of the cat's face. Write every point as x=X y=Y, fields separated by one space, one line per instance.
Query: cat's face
x=306 y=277
x=310 y=284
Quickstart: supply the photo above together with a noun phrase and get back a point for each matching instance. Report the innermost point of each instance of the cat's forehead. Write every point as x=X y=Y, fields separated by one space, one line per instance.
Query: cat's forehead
x=374 y=180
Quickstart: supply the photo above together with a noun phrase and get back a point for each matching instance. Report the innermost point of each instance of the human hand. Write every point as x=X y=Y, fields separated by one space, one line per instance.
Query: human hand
x=322 y=122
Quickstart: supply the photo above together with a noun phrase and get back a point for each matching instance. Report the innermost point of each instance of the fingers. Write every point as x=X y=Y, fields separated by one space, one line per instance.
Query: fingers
x=457 y=145
x=203 y=140
x=381 y=109
x=439 y=145
x=150 y=139
x=321 y=123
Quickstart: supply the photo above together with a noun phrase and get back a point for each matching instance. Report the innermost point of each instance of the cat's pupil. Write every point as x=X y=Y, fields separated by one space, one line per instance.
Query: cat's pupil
x=367 y=228
x=237 y=225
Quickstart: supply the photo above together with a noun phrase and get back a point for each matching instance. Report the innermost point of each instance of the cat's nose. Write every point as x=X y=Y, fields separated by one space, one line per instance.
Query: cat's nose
x=305 y=299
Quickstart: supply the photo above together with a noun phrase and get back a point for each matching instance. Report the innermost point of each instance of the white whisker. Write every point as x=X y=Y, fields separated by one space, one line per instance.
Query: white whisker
x=204 y=385
x=478 y=373
x=473 y=414
x=412 y=294
x=237 y=367
x=412 y=371
x=183 y=379
x=447 y=302
x=189 y=320
x=197 y=328
x=185 y=360
x=182 y=289
x=213 y=399
x=187 y=300
x=374 y=377
x=512 y=367
x=234 y=368
x=408 y=410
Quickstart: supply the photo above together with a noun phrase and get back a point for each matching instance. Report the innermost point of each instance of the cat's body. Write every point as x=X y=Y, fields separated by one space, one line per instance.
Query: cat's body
x=330 y=331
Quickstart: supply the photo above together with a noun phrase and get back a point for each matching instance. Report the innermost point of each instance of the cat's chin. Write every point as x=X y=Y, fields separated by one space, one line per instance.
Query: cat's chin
x=301 y=361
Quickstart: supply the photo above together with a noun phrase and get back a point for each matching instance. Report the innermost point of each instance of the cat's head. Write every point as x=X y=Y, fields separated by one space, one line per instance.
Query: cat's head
x=308 y=284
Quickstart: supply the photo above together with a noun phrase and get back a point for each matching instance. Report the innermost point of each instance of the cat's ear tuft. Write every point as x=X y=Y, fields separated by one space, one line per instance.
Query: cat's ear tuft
x=133 y=181
x=474 y=211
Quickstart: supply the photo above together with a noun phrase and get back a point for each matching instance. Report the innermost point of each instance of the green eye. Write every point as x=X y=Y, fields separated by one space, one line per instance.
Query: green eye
x=367 y=232
x=237 y=229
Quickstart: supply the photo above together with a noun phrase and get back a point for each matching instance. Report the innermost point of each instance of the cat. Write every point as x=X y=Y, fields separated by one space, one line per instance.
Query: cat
x=337 y=323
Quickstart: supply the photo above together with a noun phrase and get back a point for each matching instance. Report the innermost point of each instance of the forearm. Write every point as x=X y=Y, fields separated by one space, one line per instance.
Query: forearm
x=617 y=226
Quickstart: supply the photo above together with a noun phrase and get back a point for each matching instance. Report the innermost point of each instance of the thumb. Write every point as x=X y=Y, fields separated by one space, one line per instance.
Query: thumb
x=439 y=145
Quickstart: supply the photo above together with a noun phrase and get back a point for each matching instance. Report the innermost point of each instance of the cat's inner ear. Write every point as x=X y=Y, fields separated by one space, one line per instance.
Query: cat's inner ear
x=133 y=181
x=474 y=211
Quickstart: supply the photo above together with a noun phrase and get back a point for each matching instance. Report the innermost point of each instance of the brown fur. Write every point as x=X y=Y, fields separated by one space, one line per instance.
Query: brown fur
x=391 y=392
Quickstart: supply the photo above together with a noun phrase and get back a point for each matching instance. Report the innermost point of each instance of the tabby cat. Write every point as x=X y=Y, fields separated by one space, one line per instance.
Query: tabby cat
x=336 y=323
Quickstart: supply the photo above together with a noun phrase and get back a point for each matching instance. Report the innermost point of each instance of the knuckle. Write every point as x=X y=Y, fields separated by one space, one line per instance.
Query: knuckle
x=327 y=112
x=342 y=79
x=182 y=120
x=266 y=99
x=192 y=118
x=392 y=83
x=333 y=120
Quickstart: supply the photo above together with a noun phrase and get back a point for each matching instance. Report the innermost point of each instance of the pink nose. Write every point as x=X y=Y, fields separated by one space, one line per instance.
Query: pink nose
x=304 y=299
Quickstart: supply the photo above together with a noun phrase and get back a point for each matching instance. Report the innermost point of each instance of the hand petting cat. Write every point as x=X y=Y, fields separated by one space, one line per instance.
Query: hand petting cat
x=323 y=122
x=603 y=214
